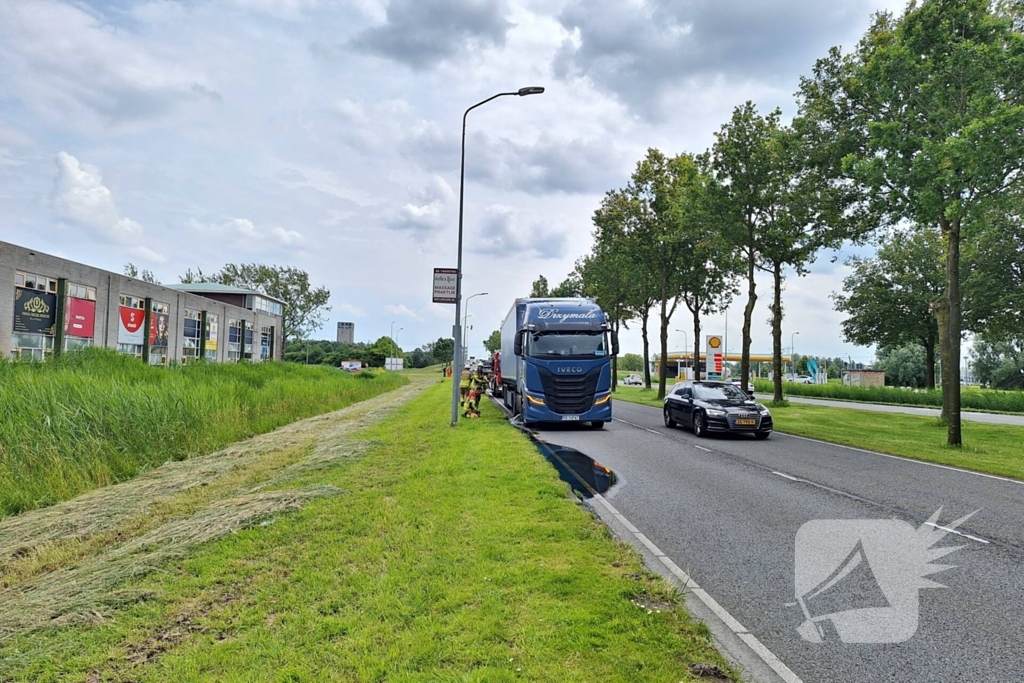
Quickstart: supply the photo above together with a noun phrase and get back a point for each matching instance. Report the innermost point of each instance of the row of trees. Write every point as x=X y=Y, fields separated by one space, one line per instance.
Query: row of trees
x=916 y=137
x=323 y=352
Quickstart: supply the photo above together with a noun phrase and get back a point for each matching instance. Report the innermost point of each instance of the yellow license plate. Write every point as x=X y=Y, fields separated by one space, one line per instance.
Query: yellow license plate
x=746 y=422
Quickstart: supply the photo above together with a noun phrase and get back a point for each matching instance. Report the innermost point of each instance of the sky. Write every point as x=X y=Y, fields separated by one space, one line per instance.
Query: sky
x=325 y=134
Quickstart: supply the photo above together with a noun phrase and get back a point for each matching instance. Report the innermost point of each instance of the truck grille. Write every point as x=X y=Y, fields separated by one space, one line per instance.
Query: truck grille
x=569 y=394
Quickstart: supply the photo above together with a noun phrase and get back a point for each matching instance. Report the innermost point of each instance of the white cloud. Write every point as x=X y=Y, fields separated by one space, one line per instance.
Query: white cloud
x=350 y=309
x=503 y=233
x=403 y=311
x=80 y=195
x=243 y=235
x=432 y=211
x=148 y=255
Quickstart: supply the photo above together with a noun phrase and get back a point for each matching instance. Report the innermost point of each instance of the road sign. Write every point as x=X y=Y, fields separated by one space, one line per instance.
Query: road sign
x=713 y=356
x=445 y=280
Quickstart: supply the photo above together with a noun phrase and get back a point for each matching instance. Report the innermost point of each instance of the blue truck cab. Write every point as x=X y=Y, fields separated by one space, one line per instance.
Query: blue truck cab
x=556 y=361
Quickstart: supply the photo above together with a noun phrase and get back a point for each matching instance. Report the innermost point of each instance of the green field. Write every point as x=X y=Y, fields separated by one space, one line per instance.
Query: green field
x=95 y=417
x=434 y=554
x=991 y=448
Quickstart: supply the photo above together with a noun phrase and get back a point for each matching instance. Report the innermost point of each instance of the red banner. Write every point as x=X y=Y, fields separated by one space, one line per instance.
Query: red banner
x=81 y=318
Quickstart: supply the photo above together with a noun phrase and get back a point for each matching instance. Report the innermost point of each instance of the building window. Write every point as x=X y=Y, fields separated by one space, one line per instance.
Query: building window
x=37 y=346
x=212 y=336
x=39 y=283
x=81 y=292
x=266 y=342
x=190 y=347
x=130 y=332
x=260 y=304
x=247 y=340
x=234 y=340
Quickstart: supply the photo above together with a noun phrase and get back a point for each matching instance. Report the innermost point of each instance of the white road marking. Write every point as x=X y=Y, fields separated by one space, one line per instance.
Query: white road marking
x=785 y=476
x=958 y=533
x=702 y=448
x=633 y=424
x=755 y=645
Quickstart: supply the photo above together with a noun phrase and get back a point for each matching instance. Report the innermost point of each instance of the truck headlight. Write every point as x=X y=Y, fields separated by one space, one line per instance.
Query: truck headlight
x=604 y=399
x=535 y=401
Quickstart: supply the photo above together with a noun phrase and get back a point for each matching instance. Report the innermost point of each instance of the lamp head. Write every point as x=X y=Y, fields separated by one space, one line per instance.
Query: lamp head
x=532 y=90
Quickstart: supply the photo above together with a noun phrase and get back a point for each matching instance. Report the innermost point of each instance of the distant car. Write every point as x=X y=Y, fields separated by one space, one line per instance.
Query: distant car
x=707 y=407
x=634 y=380
x=804 y=379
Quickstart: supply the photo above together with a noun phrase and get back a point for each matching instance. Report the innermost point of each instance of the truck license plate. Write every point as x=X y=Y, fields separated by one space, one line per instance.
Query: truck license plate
x=745 y=423
x=570 y=418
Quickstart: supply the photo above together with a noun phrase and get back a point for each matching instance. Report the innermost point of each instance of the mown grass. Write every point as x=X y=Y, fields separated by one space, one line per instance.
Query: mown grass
x=970 y=398
x=454 y=555
x=95 y=417
x=990 y=448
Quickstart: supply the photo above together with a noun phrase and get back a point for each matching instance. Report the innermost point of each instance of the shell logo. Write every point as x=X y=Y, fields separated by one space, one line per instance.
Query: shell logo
x=714 y=342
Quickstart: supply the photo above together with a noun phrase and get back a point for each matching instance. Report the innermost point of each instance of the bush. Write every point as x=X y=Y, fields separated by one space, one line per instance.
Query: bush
x=95 y=417
x=997 y=401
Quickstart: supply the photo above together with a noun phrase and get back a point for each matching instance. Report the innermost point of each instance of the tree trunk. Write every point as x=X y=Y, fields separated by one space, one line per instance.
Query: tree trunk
x=954 y=437
x=777 y=334
x=929 y=362
x=696 y=343
x=663 y=365
x=748 y=314
x=644 y=317
x=941 y=310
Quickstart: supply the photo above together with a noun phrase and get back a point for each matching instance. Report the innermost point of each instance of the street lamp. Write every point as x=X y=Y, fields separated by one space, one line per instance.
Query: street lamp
x=465 y=333
x=398 y=349
x=686 y=345
x=457 y=337
x=792 y=354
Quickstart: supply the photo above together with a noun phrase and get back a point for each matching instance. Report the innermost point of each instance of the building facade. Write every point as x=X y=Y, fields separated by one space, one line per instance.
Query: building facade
x=346 y=333
x=54 y=304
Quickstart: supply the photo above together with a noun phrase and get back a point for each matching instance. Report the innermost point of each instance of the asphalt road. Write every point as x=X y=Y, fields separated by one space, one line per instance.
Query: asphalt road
x=729 y=517
x=993 y=418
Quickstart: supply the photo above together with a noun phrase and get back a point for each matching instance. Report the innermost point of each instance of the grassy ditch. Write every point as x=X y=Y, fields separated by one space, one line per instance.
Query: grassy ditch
x=990 y=448
x=95 y=417
x=974 y=399
x=446 y=555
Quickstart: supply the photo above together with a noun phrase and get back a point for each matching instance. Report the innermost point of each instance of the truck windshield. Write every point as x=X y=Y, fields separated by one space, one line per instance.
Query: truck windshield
x=567 y=345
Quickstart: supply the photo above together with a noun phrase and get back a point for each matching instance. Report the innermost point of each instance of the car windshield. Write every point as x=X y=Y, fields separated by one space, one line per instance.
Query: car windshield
x=567 y=345
x=718 y=392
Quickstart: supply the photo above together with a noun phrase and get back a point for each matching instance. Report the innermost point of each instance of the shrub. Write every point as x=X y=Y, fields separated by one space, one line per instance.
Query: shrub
x=997 y=401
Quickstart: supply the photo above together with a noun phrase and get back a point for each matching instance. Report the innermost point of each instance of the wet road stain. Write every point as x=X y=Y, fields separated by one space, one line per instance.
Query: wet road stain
x=584 y=474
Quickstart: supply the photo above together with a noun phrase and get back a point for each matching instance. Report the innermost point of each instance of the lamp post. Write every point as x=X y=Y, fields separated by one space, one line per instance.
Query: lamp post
x=398 y=349
x=465 y=333
x=686 y=345
x=792 y=354
x=457 y=337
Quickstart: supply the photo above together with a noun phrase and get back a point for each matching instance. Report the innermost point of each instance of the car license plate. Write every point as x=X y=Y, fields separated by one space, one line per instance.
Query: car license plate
x=746 y=423
x=570 y=418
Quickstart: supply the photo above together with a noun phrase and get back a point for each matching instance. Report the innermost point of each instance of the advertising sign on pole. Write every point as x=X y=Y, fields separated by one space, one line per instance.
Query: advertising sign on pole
x=713 y=354
x=81 y=318
x=445 y=280
x=34 y=312
x=129 y=326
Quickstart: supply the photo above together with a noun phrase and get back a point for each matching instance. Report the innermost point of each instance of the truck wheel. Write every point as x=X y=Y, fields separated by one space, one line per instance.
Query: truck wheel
x=597 y=424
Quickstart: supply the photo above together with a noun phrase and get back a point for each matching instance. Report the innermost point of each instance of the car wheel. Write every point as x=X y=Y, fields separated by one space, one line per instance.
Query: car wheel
x=762 y=435
x=669 y=422
x=597 y=424
x=698 y=425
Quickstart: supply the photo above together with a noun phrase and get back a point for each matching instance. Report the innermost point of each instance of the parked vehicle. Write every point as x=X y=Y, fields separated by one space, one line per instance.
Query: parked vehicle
x=556 y=361
x=634 y=381
x=707 y=407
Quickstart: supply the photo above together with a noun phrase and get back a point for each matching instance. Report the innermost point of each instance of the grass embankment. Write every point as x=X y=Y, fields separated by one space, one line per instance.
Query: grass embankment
x=451 y=555
x=990 y=448
x=987 y=400
x=95 y=417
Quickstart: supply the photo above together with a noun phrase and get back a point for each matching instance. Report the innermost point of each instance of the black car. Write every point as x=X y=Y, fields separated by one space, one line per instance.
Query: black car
x=709 y=407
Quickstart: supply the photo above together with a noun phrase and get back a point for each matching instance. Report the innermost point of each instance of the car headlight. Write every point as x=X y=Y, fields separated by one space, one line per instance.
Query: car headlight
x=763 y=410
x=716 y=413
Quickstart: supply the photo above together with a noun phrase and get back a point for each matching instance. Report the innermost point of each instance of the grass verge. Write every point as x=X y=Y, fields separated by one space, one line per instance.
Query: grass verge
x=94 y=417
x=990 y=448
x=451 y=555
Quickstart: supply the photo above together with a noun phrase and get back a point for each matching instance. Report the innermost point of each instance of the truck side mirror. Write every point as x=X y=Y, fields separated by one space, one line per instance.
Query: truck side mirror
x=615 y=343
x=517 y=346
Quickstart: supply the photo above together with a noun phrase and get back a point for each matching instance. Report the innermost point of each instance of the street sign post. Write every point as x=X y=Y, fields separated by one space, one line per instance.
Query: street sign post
x=445 y=280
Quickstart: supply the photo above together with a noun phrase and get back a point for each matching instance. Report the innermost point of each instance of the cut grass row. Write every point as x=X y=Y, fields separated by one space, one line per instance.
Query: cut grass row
x=990 y=448
x=453 y=555
x=95 y=417
x=988 y=400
